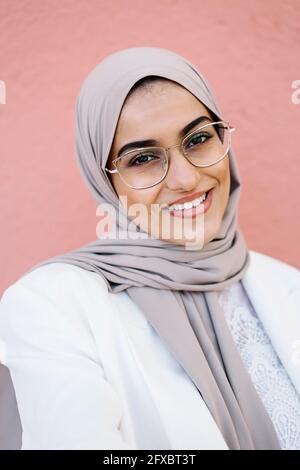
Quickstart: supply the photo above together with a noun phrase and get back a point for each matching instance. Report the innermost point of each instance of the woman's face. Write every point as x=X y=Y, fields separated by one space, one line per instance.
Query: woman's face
x=159 y=114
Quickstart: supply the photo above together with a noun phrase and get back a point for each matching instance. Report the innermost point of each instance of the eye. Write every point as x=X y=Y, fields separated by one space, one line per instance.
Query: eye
x=198 y=139
x=142 y=159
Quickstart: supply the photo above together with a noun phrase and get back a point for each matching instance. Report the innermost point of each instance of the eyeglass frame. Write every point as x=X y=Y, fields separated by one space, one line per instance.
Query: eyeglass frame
x=166 y=149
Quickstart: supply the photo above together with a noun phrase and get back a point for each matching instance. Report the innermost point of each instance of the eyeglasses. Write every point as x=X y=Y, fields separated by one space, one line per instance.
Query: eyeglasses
x=145 y=167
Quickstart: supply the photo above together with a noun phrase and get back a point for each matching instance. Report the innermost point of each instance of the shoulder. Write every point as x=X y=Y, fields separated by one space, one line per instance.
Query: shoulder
x=50 y=304
x=57 y=280
x=266 y=262
x=268 y=268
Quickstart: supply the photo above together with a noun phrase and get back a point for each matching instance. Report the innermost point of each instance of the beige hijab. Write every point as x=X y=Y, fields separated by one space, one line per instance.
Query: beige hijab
x=176 y=289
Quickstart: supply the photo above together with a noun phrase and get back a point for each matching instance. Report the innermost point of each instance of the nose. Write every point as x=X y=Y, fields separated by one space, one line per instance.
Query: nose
x=182 y=175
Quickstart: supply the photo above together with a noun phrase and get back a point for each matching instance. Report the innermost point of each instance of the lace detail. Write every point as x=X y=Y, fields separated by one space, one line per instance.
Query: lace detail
x=270 y=378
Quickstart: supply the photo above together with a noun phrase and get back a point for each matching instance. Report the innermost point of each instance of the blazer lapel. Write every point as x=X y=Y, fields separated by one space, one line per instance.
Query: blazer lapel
x=273 y=288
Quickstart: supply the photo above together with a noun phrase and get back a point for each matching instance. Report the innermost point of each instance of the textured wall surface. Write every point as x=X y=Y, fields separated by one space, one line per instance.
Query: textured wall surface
x=250 y=54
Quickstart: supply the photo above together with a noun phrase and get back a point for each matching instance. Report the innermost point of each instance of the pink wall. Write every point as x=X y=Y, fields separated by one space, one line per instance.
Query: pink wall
x=250 y=53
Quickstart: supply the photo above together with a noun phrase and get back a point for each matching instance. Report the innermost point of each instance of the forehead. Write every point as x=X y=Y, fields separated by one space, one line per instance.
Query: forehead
x=166 y=106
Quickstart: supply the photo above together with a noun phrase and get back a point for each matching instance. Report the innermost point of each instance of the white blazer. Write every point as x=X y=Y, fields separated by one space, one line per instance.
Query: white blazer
x=90 y=372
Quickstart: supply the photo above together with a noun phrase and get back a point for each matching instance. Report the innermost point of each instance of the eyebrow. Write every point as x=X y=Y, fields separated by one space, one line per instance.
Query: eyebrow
x=152 y=142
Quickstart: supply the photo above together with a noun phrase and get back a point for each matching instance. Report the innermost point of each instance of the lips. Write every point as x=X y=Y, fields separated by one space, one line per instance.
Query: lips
x=191 y=197
x=195 y=211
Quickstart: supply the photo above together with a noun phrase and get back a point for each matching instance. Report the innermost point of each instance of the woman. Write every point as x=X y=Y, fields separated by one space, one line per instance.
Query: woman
x=166 y=332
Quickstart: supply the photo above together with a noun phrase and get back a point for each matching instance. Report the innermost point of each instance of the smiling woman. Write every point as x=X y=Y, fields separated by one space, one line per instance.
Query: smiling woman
x=142 y=342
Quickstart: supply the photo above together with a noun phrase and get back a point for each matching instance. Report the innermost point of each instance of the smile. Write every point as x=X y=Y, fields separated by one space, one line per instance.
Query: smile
x=192 y=208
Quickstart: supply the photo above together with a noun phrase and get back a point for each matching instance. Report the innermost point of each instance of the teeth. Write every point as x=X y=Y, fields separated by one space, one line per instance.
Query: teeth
x=188 y=205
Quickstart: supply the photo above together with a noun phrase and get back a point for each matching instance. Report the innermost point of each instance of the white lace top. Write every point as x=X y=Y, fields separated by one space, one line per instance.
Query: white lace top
x=268 y=374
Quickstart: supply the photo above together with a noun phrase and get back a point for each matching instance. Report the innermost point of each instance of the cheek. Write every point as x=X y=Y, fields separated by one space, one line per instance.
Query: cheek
x=223 y=176
x=223 y=171
x=227 y=176
x=134 y=196
x=144 y=197
x=224 y=180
